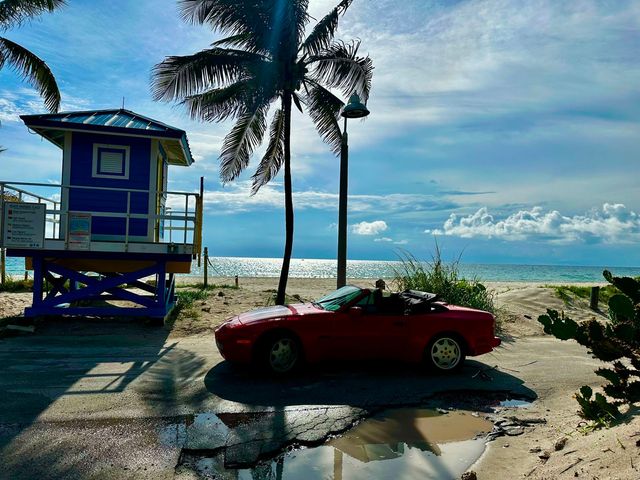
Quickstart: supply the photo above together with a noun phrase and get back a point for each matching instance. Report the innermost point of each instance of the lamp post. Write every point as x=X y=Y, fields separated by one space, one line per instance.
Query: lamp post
x=353 y=109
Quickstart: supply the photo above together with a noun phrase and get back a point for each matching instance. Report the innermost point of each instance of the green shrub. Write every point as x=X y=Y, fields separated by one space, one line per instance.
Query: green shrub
x=444 y=280
x=616 y=341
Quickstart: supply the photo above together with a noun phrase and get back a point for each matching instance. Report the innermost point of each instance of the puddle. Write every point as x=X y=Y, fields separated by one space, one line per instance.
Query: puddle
x=396 y=444
x=514 y=402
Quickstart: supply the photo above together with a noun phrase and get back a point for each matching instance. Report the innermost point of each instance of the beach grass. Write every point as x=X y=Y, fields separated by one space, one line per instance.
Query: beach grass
x=444 y=280
x=16 y=286
x=200 y=286
x=567 y=293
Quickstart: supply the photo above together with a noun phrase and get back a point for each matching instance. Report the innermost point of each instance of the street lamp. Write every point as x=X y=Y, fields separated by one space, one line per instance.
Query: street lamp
x=353 y=109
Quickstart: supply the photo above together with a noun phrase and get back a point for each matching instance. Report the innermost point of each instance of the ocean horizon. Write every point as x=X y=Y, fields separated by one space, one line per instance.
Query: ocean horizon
x=326 y=268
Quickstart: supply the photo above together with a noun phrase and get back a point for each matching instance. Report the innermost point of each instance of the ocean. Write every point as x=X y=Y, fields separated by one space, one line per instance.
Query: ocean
x=317 y=268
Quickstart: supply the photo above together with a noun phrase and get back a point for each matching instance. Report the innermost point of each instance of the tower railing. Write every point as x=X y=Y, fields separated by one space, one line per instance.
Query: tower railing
x=181 y=215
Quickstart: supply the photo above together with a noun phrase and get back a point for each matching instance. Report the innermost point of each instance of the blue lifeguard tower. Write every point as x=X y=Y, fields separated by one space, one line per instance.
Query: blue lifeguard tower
x=94 y=240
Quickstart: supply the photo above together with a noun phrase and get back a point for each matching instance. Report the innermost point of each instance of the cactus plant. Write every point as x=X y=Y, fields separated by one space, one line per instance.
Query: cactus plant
x=616 y=341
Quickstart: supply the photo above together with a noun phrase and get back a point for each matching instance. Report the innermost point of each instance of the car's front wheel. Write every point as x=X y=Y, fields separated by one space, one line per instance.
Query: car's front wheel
x=281 y=354
x=445 y=353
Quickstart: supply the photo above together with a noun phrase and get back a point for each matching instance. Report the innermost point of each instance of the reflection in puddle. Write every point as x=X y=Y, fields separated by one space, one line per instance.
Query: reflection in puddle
x=512 y=402
x=397 y=444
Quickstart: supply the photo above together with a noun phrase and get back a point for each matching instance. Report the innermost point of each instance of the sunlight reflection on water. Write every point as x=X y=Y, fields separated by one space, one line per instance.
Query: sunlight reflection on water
x=321 y=268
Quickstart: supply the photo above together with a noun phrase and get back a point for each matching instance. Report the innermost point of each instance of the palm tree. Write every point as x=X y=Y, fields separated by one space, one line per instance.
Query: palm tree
x=30 y=66
x=265 y=58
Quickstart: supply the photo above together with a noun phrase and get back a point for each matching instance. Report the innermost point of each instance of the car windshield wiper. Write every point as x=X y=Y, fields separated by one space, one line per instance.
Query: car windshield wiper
x=316 y=304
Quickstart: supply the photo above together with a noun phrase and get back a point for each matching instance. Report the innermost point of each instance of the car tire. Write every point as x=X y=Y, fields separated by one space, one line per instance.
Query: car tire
x=445 y=354
x=281 y=354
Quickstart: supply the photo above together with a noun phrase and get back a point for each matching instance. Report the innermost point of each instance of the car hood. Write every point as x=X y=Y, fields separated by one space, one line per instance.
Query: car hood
x=278 y=311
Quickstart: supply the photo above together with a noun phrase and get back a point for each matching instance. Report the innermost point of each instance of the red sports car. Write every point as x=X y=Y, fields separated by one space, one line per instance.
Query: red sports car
x=356 y=323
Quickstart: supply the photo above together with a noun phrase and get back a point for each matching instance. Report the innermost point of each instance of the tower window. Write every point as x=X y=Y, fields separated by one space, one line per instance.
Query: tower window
x=110 y=161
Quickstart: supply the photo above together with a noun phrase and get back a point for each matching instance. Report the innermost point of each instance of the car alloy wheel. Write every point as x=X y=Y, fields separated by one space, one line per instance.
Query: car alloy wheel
x=445 y=353
x=283 y=354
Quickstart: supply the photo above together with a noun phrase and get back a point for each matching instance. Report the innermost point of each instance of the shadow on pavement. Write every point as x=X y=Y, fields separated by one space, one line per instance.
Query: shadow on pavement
x=67 y=370
x=359 y=385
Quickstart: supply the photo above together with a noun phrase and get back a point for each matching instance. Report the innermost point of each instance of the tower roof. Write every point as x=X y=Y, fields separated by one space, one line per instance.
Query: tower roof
x=117 y=121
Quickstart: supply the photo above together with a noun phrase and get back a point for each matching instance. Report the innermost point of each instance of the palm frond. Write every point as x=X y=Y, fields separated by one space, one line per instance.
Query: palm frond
x=33 y=70
x=234 y=17
x=238 y=41
x=322 y=34
x=285 y=30
x=273 y=157
x=220 y=103
x=15 y=12
x=178 y=77
x=296 y=101
x=240 y=143
x=324 y=108
x=300 y=18
x=340 y=67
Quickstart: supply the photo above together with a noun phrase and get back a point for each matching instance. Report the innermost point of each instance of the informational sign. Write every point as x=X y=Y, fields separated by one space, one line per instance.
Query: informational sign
x=79 y=231
x=23 y=225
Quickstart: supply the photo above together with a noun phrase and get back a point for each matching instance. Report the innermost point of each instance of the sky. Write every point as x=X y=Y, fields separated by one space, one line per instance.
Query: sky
x=506 y=130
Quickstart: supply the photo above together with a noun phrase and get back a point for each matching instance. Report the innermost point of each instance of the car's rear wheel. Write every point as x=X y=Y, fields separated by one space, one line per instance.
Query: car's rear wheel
x=445 y=353
x=281 y=353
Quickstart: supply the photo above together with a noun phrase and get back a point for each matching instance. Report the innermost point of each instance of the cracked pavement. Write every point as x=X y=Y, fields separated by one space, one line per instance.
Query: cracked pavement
x=243 y=441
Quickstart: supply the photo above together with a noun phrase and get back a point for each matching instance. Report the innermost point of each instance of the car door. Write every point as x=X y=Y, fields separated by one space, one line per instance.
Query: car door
x=365 y=332
x=386 y=335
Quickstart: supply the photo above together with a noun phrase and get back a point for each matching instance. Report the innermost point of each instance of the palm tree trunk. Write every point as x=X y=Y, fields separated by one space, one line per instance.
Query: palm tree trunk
x=288 y=202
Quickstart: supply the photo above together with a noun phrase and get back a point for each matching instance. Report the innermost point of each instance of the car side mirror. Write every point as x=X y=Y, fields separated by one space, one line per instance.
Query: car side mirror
x=356 y=311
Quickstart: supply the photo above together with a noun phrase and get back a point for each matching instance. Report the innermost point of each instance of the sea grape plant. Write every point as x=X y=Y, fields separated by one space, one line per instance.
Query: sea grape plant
x=616 y=341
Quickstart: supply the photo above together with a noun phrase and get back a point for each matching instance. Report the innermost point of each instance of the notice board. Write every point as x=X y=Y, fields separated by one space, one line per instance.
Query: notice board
x=23 y=225
x=79 y=231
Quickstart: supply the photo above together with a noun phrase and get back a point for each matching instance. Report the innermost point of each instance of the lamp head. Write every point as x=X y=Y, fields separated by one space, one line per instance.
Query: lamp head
x=355 y=108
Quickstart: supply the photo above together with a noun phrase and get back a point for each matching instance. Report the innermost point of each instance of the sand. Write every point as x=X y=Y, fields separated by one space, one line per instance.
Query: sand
x=599 y=454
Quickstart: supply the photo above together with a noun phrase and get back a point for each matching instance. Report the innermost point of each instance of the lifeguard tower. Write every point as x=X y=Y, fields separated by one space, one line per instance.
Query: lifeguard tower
x=93 y=240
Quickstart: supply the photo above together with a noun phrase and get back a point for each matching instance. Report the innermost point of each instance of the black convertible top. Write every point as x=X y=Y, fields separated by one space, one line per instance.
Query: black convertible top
x=416 y=301
x=416 y=296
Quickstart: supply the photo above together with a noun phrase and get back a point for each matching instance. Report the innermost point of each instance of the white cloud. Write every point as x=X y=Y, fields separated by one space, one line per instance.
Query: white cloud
x=613 y=223
x=236 y=197
x=11 y=107
x=205 y=146
x=27 y=101
x=458 y=63
x=369 y=228
x=391 y=240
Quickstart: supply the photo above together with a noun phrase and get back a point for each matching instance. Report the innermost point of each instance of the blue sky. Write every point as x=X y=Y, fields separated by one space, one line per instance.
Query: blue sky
x=509 y=129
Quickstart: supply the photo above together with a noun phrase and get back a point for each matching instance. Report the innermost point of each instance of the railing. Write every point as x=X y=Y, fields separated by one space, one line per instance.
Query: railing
x=182 y=212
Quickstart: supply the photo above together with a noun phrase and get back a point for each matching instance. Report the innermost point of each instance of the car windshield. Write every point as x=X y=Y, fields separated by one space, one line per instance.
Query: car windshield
x=337 y=299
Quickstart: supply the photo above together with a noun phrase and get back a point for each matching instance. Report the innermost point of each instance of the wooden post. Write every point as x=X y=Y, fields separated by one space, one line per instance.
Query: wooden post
x=206 y=267
x=595 y=296
x=197 y=230
x=3 y=268
x=237 y=282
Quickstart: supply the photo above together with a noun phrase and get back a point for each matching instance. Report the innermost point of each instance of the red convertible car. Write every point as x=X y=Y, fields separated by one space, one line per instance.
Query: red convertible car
x=355 y=323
